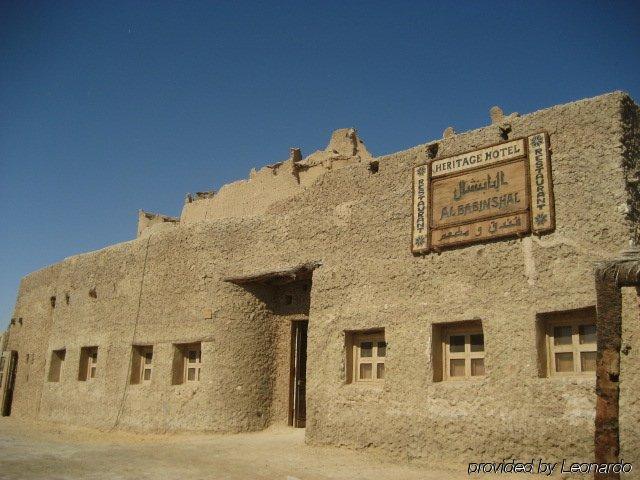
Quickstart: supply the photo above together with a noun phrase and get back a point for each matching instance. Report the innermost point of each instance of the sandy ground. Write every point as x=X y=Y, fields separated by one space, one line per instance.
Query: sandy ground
x=43 y=451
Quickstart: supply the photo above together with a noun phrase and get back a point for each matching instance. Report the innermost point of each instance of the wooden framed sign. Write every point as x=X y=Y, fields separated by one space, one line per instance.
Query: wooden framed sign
x=502 y=190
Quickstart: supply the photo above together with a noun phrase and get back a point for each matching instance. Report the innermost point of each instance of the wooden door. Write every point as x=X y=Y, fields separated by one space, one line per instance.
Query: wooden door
x=8 y=366
x=299 y=373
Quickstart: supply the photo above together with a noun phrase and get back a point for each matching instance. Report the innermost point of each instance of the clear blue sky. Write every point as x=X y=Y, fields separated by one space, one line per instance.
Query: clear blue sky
x=108 y=107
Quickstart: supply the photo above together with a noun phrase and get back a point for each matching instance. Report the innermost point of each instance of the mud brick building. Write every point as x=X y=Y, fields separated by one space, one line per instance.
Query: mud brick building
x=386 y=302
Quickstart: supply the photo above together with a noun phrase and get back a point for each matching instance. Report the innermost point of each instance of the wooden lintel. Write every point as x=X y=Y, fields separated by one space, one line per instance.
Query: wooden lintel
x=280 y=275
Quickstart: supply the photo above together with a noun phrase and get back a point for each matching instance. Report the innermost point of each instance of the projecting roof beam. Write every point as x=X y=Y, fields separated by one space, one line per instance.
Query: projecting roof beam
x=278 y=276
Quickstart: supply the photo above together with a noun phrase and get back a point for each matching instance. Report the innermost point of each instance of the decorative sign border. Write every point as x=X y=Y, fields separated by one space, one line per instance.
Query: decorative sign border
x=542 y=201
x=421 y=206
x=539 y=217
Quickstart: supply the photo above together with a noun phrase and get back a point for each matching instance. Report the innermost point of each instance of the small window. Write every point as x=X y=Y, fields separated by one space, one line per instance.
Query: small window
x=464 y=353
x=187 y=363
x=88 y=363
x=458 y=351
x=367 y=352
x=55 y=366
x=141 y=364
x=571 y=342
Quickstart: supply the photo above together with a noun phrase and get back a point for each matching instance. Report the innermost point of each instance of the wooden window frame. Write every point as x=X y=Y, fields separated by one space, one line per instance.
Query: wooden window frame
x=139 y=365
x=88 y=364
x=92 y=364
x=56 y=365
x=144 y=366
x=575 y=348
x=375 y=338
x=187 y=364
x=467 y=331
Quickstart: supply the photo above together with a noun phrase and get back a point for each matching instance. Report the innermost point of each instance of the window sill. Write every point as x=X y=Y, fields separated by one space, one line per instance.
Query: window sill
x=187 y=386
x=578 y=379
x=372 y=386
x=463 y=381
x=86 y=385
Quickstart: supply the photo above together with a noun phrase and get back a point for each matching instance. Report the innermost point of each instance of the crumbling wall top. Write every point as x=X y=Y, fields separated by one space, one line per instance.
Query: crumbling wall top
x=344 y=143
x=277 y=181
x=148 y=219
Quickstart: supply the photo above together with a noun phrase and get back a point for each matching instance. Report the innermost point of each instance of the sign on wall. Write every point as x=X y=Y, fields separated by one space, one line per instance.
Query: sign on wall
x=499 y=191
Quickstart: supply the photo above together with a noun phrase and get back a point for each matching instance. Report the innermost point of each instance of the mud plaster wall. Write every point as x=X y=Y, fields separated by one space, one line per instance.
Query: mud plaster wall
x=244 y=197
x=298 y=293
x=358 y=225
x=148 y=220
x=273 y=183
x=630 y=360
x=631 y=162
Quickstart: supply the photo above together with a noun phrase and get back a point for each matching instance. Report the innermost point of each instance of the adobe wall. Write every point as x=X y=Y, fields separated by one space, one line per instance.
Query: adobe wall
x=512 y=412
x=277 y=182
x=358 y=224
x=155 y=221
x=238 y=340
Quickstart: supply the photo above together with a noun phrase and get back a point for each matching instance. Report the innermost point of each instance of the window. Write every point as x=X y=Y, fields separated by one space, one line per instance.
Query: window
x=88 y=363
x=464 y=354
x=571 y=342
x=55 y=366
x=193 y=362
x=141 y=364
x=458 y=351
x=367 y=354
x=187 y=363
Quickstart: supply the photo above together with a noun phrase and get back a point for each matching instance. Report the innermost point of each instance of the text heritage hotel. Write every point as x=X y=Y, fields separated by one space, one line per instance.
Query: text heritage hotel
x=434 y=303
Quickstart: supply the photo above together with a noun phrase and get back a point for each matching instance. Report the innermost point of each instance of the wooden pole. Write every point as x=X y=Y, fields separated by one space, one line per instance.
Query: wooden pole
x=611 y=276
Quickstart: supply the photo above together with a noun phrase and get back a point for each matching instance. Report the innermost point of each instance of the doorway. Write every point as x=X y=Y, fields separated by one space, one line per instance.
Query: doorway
x=298 y=375
x=8 y=366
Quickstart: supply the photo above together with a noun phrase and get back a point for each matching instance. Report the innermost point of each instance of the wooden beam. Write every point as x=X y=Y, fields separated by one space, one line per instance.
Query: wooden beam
x=278 y=276
x=611 y=276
